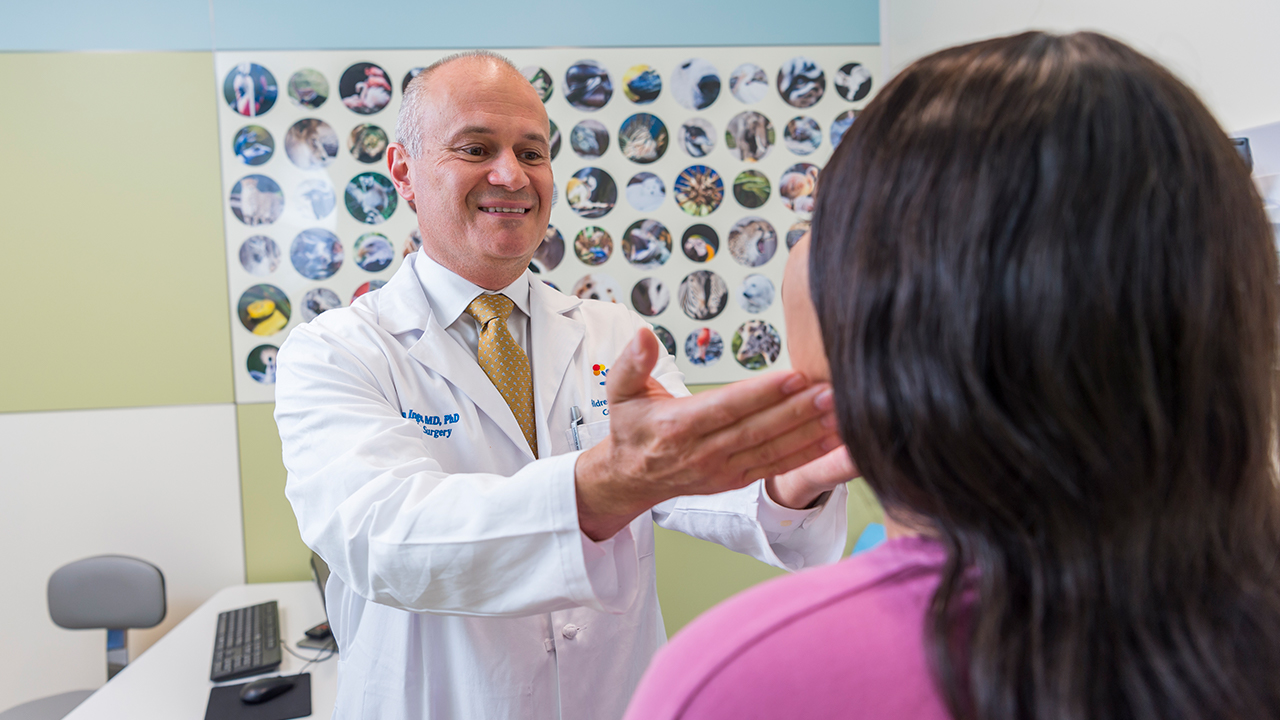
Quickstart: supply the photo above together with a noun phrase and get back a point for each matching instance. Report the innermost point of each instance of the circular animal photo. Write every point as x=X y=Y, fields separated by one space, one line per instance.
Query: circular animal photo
x=646 y=244
x=308 y=88
x=318 y=301
x=316 y=199
x=645 y=191
x=703 y=346
x=256 y=200
x=755 y=294
x=695 y=84
x=364 y=88
x=842 y=123
x=373 y=252
x=551 y=285
x=752 y=241
x=665 y=337
x=367 y=288
x=749 y=135
x=250 y=89
x=370 y=198
x=593 y=245
x=311 y=144
x=751 y=189
x=408 y=77
x=540 y=80
x=264 y=309
x=697 y=137
x=801 y=82
x=591 y=192
x=798 y=188
x=261 y=364
x=756 y=345
x=641 y=84
x=802 y=135
x=316 y=253
x=796 y=232
x=367 y=143
x=643 y=138
x=650 y=296
x=259 y=255
x=700 y=243
x=703 y=294
x=549 y=253
x=699 y=190
x=749 y=83
x=253 y=145
x=853 y=82
x=598 y=286
x=412 y=243
x=554 y=139
x=589 y=139
x=587 y=85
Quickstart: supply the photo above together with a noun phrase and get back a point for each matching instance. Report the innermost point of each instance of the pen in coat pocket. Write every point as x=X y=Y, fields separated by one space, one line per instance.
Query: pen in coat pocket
x=575 y=421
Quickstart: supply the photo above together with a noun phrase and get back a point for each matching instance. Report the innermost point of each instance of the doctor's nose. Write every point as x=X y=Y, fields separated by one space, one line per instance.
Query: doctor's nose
x=506 y=171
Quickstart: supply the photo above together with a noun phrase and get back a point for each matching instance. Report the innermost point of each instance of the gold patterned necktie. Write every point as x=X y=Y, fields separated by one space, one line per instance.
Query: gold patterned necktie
x=504 y=361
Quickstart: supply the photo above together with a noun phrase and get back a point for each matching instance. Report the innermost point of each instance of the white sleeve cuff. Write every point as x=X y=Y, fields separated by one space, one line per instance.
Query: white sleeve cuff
x=778 y=521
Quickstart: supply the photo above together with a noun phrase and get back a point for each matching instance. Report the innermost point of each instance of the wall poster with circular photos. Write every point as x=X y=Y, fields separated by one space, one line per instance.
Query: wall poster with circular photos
x=683 y=176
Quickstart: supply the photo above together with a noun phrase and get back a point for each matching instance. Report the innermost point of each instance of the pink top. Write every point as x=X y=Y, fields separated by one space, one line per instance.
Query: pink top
x=830 y=642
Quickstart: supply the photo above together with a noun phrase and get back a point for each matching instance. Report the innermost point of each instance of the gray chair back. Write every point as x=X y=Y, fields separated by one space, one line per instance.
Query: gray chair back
x=108 y=591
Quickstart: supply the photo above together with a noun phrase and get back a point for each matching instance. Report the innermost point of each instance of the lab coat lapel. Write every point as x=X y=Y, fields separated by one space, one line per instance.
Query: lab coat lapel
x=442 y=354
x=554 y=340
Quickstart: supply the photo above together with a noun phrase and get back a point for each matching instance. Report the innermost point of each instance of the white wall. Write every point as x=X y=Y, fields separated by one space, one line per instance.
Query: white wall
x=1228 y=51
x=161 y=484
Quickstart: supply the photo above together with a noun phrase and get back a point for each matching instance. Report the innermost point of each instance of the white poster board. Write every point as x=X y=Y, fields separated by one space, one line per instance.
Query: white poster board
x=698 y=244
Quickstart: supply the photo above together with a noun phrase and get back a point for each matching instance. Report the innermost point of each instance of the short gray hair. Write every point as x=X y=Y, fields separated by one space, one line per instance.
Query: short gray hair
x=409 y=122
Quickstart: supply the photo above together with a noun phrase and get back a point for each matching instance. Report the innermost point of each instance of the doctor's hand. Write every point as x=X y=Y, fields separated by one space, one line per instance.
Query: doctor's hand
x=803 y=487
x=660 y=447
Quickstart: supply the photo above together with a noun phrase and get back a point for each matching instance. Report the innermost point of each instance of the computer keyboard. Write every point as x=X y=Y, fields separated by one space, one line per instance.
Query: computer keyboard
x=247 y=642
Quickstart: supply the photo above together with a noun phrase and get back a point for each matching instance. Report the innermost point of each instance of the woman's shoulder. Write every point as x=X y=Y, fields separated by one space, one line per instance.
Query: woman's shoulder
x=827 y=640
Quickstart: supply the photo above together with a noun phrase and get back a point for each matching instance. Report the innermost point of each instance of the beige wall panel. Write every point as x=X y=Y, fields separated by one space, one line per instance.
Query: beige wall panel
x=113 y=248
x=160 y=484
x=273 y=548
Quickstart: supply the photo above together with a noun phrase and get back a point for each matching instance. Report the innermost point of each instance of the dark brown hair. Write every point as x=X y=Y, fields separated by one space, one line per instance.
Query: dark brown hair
x=1048 y=292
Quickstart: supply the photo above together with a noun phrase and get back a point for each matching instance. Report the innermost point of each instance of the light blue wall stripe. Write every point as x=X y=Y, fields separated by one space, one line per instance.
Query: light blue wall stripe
x=69 y=25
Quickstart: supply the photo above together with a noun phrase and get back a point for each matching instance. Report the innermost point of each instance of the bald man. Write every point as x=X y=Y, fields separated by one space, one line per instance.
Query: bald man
x=491 y=557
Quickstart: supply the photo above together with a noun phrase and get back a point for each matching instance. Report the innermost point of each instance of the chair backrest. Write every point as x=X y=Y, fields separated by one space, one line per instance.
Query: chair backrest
x=107 y=591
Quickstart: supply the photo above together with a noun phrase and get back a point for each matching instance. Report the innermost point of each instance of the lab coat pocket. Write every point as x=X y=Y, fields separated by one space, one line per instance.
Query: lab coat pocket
x=590 y=434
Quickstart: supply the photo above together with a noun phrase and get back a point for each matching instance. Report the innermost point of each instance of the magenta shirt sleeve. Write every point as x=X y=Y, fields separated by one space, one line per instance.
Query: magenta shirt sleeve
x=844 y=640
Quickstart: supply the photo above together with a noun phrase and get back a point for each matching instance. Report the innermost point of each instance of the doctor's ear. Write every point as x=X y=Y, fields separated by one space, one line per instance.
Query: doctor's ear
x=398 y=168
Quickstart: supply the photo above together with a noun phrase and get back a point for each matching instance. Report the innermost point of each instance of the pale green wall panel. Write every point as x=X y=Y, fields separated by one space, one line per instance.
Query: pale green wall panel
x=694 y=575
x=113 y=254
x=273 y=549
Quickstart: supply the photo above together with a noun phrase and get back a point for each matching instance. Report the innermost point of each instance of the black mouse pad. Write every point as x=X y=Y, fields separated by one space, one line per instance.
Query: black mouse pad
x=225 y=703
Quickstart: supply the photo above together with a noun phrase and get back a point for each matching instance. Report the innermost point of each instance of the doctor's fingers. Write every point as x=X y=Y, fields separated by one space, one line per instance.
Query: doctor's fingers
x=815 y=403
x=813 y=435
x=723 y=407
x=758 y=462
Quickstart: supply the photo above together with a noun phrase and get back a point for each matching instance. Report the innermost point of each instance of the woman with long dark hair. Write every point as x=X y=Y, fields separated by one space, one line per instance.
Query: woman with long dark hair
x=1047 y=293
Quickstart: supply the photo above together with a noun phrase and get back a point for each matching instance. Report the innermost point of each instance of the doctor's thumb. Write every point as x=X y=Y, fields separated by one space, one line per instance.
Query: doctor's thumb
x=629 y=375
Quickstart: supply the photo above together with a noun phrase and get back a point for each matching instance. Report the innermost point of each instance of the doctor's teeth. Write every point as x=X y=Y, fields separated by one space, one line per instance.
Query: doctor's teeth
x=517 y=211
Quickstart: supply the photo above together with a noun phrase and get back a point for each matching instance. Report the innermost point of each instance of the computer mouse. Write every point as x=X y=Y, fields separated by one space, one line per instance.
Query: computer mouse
x=263 y=690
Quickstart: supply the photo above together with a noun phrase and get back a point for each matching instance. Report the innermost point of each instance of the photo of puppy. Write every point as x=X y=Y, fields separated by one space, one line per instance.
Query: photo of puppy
x=755 y=294
x=598 y=286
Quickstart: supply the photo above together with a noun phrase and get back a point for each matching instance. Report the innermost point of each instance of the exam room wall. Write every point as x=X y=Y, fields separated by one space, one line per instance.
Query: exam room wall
x=96 y=220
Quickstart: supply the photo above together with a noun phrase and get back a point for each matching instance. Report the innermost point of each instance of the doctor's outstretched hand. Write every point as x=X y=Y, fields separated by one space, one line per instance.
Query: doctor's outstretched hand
x=659 y=447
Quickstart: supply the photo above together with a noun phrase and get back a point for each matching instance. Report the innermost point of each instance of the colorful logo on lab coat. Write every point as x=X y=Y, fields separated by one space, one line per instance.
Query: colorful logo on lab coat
x=601 y=371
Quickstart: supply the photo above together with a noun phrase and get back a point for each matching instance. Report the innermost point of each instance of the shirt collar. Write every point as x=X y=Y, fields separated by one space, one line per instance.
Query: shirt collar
x=449 y=293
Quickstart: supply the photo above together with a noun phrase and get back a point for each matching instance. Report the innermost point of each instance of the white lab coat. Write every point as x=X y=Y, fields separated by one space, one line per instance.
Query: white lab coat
x=461 y=585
